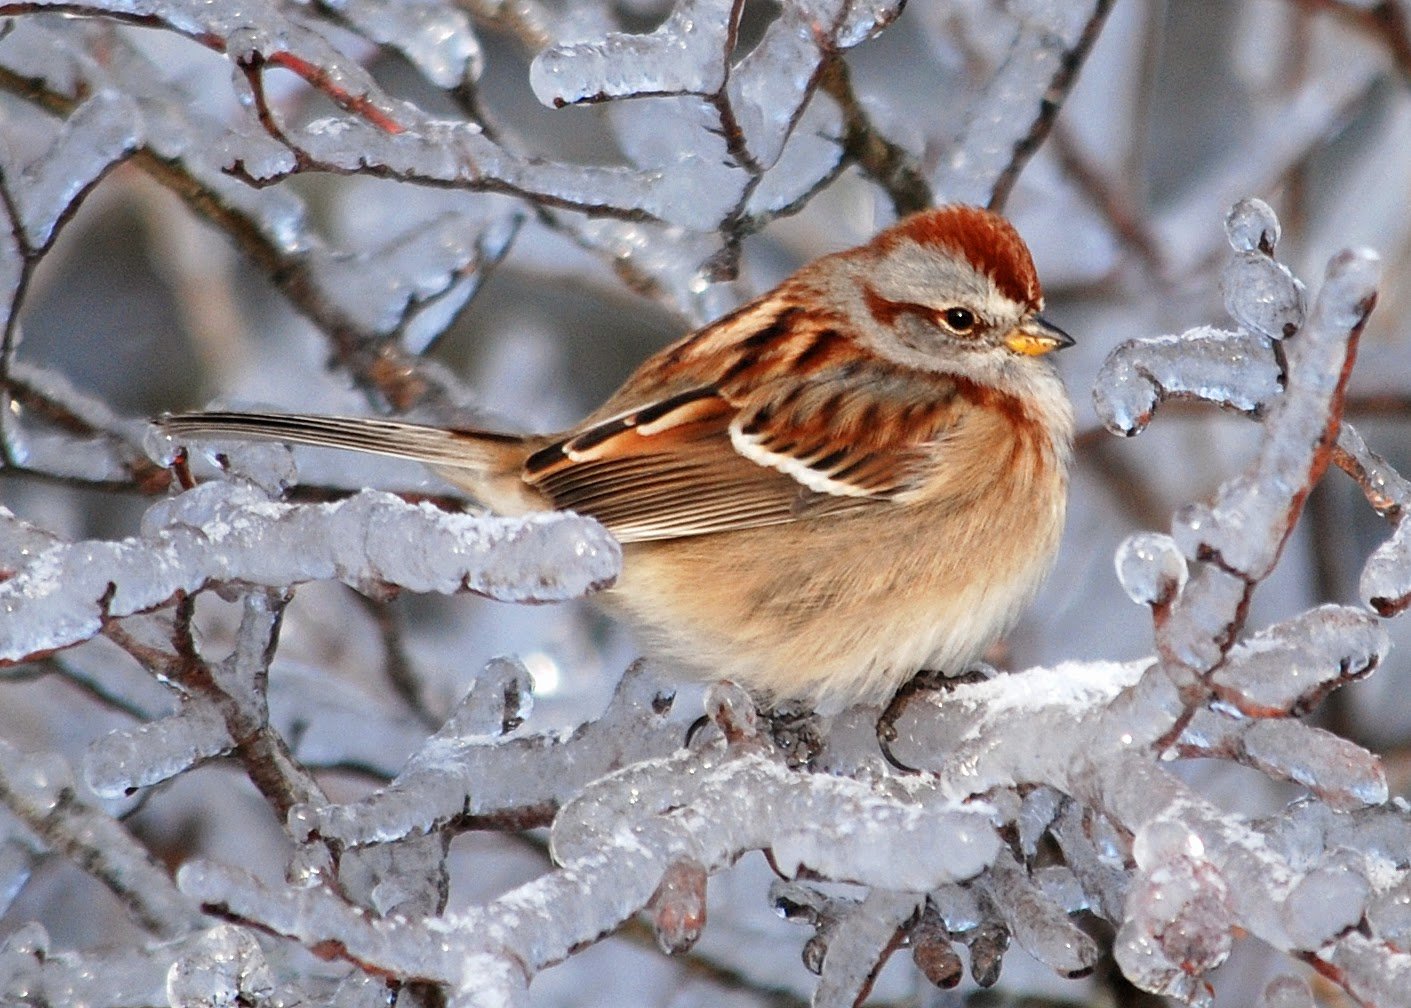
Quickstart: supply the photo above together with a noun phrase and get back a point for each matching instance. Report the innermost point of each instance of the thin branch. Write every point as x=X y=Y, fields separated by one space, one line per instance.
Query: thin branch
x=888 y=164
x=1052 y=103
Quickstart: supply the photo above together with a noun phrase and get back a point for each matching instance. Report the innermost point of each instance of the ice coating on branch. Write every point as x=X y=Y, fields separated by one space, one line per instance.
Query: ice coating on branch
x=860 y=20
x=835 y=826
x=259 y=30
x=1197 y=627
x=679 y=907
x=128 y=759
x=438 y=39
x=1287 y=992
x=17 y=860
x=859 y=939
x=1326 y=902
x=1343 y=774
x=1235 y=369
x=686 y=54
x=810 y=157
x=1340 y=772
x=969 y=726
x=35 y=52
x=33 y=973
x=1292 y=665
x=769 y=86
x=468 y=767
x=1151 y=568
x=425 y=275
x=223 y=966
x=1386 y=577
x=1028 y=45
x=1251 y=226
x=949 y=842
x=99 y=133
x=1260 y=293
x=1385 y=584
x=1099 y=868
x=1178 y=918
x=619 y=839
x=1233 y=526
x=232 y=532
x=39 y=789
x=106 y=454
x=690 y=192
x=1040 y=926
x=1371 y=973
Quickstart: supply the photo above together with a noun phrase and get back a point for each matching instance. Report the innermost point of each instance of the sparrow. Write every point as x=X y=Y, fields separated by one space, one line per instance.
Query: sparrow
x=856 y=476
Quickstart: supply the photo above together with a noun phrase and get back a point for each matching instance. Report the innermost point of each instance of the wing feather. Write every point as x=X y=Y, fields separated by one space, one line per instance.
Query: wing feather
x=712 y=458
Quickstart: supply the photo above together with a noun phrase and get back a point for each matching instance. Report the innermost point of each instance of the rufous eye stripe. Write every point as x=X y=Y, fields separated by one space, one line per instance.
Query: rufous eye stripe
x=886 y=311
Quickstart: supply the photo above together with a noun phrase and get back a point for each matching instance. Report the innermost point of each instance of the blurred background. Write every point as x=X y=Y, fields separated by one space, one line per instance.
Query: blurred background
x=144 y=304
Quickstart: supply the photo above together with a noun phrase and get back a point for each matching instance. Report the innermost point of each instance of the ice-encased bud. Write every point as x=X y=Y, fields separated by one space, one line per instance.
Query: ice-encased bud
x=1262 y=295
x=1252 y=226
x=1287 y=992
x=226 y=968
x=1151 y=568
x=160 y=446
x=1326 y=902
x=730 y=706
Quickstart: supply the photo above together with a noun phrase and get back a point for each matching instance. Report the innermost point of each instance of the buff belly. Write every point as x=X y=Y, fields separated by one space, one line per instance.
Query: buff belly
x=863 y=605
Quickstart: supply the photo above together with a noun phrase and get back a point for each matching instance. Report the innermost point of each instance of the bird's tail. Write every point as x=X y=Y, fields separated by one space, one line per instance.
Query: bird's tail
x=486 y=464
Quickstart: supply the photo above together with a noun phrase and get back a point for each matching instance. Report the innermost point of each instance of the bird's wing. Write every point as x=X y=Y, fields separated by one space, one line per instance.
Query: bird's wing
x=709 y=459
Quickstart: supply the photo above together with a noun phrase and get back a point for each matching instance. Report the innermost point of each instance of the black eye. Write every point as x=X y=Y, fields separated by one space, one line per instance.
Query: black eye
x=961 y=320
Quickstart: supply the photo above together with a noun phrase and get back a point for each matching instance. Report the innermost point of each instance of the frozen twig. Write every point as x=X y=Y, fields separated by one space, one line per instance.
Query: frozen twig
x=40 y=791
x=228 y=533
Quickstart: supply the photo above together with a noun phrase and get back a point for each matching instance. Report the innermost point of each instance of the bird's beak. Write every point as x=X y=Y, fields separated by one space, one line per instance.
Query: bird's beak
x=1036 y=335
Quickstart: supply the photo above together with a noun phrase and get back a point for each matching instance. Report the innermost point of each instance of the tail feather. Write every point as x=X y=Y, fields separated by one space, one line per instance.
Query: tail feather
x=487 y=464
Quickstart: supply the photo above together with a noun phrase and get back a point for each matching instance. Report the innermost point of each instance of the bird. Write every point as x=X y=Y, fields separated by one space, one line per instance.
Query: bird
x=856 y=476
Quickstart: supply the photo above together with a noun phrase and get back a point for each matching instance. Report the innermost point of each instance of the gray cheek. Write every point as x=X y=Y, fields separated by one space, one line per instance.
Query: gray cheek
x=921 y=341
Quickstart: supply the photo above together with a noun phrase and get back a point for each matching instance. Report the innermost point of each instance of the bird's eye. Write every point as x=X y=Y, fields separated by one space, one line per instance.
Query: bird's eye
x=960 y=320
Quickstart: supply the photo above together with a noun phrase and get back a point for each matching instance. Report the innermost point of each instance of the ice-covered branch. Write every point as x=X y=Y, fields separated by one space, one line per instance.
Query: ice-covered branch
x=230 y=532
x=192 y=151
x=981 y=812
x=475 y=768
x=1236 y=539
x=1037 y=51
x=39 y=790
x=619 y=839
